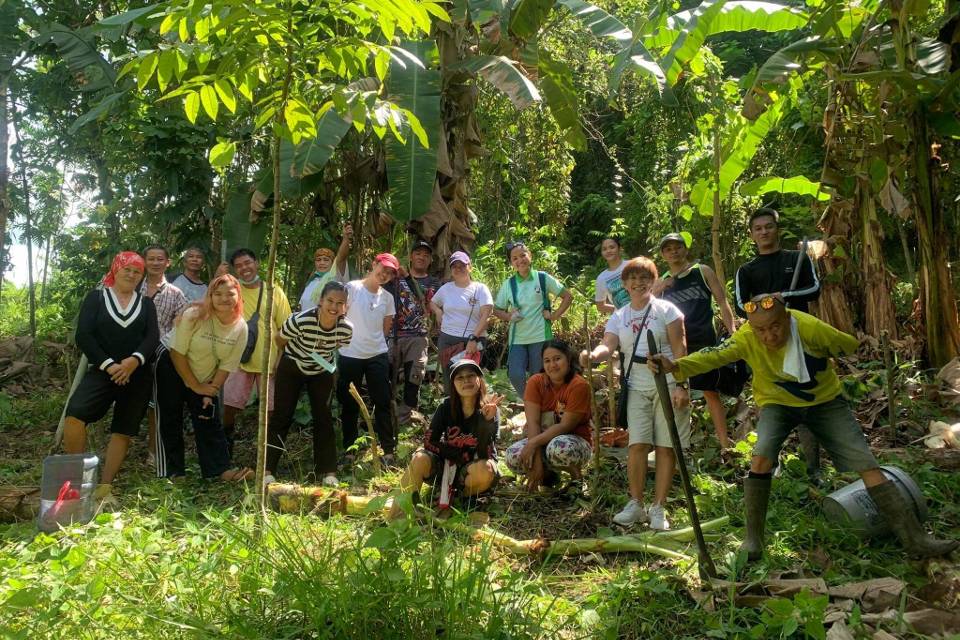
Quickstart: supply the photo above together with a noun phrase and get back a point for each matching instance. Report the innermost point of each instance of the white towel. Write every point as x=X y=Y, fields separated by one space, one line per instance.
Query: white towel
x=794 y=364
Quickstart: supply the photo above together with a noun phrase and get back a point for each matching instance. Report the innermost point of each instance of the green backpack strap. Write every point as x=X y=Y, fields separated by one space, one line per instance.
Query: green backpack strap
x=543 y=289
x=513 y=291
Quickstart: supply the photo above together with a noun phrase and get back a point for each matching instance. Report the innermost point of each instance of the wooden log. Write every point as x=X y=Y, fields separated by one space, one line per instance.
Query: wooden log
x=294 y=498
x=18 y=504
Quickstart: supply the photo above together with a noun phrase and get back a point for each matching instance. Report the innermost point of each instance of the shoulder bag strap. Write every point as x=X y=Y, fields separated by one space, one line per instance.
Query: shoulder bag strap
x=636 y=341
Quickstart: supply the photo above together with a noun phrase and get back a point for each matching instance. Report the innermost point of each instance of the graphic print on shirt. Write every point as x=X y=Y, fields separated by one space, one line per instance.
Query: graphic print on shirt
x=801 y=390
x=618 y=294
x=411 y=315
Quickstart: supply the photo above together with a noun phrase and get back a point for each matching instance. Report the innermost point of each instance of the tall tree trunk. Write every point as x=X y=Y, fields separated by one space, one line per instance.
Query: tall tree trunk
x=106 y=199
x=937 y=300
x=716 y=251
x=46 y=263
x=4 y=172
x=28 y=223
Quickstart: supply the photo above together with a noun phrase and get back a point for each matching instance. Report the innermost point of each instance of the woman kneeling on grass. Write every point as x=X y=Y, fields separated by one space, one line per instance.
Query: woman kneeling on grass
x=463 y=432
x=310 y=341
x=627 y=329
x=117 y=331
x=557 y=407
x=192 y=364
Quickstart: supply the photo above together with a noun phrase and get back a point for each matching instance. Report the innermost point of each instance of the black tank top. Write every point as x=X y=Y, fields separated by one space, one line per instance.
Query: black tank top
x=693 y=297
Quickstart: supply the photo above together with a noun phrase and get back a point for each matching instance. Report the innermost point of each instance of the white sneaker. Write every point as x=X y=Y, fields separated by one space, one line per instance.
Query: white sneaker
x=658 y=518
x=268 y=480
x=631 y=514
x=330 y=480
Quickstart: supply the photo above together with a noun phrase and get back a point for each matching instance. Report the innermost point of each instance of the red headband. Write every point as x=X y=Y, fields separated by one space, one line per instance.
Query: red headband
x=123 y=259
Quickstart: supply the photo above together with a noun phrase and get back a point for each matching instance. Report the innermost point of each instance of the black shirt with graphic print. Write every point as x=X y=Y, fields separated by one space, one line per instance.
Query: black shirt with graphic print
x=461 y=441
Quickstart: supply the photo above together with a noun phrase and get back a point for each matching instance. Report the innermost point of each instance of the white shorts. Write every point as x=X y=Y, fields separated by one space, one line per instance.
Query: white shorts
x=646 y=421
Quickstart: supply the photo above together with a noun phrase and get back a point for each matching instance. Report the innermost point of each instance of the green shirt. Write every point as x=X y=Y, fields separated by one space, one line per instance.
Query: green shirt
x=821 y=342
x=533 y=327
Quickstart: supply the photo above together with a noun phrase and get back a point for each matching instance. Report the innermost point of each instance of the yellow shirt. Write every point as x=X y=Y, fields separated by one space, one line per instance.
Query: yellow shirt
x=281 y=311
x=821 y=343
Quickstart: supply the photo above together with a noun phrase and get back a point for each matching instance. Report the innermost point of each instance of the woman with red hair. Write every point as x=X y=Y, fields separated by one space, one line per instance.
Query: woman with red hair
x=197 y=356
x=117 y=331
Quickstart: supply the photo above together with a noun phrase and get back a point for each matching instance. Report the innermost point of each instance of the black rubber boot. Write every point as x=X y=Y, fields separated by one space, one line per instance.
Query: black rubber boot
x=756 y=496
x=810 y=450
x=904 y=524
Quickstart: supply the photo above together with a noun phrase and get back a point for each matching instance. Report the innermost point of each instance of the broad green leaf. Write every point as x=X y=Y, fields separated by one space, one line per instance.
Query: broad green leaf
x=225 y=93
x=183 y=29
x=600 y=23
x=528 y=16
x=181 y=64
x=504 y=74
x=208 y=98
x=311 y=156
x=412 y=166
x=238 y=231
x=221 y=155
x=127 y=17
x=147 y=66
x=797 y=184
x=166 y=68
x=201 y=28
x=735 y=16
x=481 y=11
x=690 y=39
x=556 y=80
x=638 y=57
x=191 y=106
x=792 y=57
x=169 y=22
x=101 y=109
x=81 y=54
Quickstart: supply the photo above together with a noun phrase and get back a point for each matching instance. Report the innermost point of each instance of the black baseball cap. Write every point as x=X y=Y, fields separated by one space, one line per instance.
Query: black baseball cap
x=672 y=237
x=422 y=244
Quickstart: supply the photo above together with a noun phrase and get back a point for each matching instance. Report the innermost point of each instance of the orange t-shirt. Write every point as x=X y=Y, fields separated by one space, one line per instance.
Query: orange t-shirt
x=572 y=396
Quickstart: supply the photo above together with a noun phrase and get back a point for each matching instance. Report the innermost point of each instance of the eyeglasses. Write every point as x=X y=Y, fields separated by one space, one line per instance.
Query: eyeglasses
x=766 y=302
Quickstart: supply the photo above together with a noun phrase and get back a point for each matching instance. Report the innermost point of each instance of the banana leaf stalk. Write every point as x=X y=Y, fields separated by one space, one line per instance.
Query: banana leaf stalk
x=366 y=418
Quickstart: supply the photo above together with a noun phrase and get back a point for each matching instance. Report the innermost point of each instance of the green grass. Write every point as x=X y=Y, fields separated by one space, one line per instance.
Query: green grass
x=195 y=560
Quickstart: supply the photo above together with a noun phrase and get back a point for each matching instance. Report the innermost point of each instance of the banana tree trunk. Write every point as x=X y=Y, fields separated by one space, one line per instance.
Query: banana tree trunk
x=716 y=250
x=937 y=300
x=879 y=314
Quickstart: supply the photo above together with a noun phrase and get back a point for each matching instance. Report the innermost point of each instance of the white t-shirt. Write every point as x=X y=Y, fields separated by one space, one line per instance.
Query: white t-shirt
x=461 y=307
x=610 y=287
x=625 y=322
x=366 y=312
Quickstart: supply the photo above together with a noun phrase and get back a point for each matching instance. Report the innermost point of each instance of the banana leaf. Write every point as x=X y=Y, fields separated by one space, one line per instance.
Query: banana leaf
x=556 y=80
x=793 y=57
x=600 y=23
x=411 y=167
x=735 y=16
x=797 y=184
x=690 y=39
x=504 y=74
x=98 y=111
x=78 y=51
x=639 y=58
x=238 y=231
x=528 y=16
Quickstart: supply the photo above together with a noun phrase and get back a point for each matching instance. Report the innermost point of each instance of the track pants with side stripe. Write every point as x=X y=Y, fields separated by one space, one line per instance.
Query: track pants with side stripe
x=170 y=396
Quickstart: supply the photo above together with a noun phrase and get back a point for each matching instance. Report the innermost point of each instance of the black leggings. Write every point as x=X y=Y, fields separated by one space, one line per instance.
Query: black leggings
x=377 y=372
x=170 y=396
x=290 y=380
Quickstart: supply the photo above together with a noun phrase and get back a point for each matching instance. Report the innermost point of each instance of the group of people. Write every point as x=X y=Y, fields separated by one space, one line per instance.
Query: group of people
x=184 y=344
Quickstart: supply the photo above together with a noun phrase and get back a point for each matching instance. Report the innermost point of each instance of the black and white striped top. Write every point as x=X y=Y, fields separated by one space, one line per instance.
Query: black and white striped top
x=306 y=336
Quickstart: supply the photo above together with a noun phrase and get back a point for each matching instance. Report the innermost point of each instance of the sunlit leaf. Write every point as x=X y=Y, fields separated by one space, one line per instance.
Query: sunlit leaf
x=797 y=184
x=147 y=66
x=221 y=155
x=225 y=92
x=208 y=98
x=191 y=106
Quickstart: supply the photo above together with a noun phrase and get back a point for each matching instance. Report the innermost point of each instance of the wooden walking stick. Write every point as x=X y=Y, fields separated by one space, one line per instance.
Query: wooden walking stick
x=593 y=403
x=611 y=400
x=366 y=418
x=704 y=561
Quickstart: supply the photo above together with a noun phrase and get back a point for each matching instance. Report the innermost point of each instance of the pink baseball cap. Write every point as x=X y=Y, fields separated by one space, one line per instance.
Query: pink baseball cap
x=388 y=260
x=459 y=256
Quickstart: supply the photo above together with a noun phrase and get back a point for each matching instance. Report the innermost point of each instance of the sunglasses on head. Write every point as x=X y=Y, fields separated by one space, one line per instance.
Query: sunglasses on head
x=766 y=302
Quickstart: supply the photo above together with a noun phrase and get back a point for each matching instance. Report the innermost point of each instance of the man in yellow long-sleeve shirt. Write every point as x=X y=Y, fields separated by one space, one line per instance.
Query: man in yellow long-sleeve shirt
x=795 y=382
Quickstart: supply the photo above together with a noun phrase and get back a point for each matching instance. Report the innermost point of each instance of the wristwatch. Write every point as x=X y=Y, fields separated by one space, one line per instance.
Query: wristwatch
x=683 y=385
x=472 y=338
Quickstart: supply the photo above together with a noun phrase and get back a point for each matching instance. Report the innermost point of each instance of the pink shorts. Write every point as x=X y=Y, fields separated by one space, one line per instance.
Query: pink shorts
x=239 y=384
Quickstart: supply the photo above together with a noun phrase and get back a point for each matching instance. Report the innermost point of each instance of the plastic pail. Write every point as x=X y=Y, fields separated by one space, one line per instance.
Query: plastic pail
x=66 y=492
x=853 y=508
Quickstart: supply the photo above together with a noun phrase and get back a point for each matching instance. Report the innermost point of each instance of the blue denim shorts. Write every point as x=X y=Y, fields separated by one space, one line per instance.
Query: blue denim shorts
x=833 y=424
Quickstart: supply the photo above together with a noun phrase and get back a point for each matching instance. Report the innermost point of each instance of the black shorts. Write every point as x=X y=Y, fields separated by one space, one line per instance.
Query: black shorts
x=705 y=381
x=97 y=392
